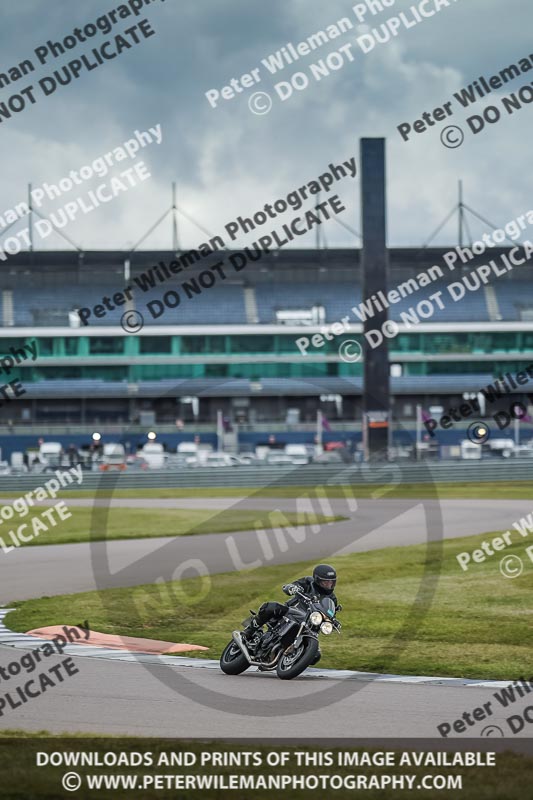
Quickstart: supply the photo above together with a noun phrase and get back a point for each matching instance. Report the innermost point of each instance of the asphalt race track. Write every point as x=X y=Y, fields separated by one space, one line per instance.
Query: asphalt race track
x=125 y=698
x=64 y=569
x=120 y=697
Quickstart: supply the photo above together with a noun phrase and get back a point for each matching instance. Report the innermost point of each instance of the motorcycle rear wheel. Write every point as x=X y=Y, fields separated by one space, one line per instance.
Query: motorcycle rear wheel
x=293 y=664
x=233 y=661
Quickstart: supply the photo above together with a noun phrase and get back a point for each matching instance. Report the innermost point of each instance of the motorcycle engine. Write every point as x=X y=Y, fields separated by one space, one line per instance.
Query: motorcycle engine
x=266 y=641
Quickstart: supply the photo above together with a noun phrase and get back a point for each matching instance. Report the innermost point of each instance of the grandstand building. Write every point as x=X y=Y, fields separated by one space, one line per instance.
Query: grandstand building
x=232 y=345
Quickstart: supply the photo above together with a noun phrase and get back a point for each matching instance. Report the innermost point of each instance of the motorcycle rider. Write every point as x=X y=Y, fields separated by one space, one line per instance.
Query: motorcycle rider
x=320 y=584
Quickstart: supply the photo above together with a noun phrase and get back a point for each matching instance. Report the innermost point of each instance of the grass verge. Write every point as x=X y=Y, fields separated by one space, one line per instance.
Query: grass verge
x=140 y=523
x=510 y=490
x=477 y=624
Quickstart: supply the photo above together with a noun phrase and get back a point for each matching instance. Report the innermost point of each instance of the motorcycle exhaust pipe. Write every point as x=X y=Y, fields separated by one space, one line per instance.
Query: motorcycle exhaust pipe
x=237 y=638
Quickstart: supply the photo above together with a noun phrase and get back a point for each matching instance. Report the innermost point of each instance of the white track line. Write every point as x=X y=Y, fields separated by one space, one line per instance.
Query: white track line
x=24 y=641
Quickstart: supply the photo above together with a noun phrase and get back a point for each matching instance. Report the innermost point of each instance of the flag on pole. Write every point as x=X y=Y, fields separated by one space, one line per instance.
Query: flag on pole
x=425 y=416
x=520 y=417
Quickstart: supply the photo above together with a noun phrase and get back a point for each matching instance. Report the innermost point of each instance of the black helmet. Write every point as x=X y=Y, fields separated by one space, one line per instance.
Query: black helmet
x=325 y=578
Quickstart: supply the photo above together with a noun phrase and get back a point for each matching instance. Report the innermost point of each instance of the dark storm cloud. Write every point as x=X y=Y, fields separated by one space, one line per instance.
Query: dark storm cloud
x=228 y=161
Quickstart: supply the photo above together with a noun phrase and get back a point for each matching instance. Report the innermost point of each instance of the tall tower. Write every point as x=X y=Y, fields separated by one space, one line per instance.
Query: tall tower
x=376 y=389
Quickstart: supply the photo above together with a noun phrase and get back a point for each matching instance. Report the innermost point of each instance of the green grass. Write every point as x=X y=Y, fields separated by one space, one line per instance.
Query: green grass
x=21 y=779
x=477 y=624
x=88 y=524
x=511 y=490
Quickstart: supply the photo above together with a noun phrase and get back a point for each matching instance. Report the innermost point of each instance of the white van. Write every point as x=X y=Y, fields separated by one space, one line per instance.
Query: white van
x=222 y=460
x=469 y=450
x=299 y=453
x=50 y=454
x=502 y=447
x=154 y=455
x=196 y=454
x=114 y=457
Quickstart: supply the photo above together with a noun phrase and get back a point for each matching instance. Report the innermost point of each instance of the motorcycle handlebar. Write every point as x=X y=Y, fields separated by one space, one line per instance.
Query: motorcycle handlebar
x=309 y=600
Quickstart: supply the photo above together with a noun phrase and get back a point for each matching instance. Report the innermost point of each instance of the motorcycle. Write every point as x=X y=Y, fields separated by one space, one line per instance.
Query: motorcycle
x=289 y=645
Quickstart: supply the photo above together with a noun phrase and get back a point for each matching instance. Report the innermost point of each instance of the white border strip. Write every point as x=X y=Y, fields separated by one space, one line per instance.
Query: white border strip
x=24 y=641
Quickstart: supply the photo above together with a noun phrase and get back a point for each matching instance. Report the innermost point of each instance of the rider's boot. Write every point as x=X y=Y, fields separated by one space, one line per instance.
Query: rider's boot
x=251 y=629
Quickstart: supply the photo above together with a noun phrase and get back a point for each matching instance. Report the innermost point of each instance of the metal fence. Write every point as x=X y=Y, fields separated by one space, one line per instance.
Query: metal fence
x=310 y=475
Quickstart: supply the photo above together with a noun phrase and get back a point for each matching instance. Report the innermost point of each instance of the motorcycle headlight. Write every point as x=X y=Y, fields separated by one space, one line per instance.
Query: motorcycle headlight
x=316 y=618
x=326 y=627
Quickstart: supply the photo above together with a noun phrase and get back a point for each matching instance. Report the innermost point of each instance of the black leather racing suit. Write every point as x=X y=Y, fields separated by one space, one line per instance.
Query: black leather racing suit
x=271 y=610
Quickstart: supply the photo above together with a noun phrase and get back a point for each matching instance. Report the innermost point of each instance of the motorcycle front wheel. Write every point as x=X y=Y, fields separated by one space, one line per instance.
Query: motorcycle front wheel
x=233 y=661
x=293 y=664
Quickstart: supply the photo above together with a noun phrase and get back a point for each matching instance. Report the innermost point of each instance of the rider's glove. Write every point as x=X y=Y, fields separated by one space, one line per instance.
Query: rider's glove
x=291 y=588
x=338 y=608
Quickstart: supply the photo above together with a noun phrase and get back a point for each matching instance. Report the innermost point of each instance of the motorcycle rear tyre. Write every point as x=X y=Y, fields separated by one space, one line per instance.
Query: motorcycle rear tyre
x=233 y=661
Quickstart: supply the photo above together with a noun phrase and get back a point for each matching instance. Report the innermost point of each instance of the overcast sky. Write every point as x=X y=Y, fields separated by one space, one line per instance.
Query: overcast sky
x=228 y=161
